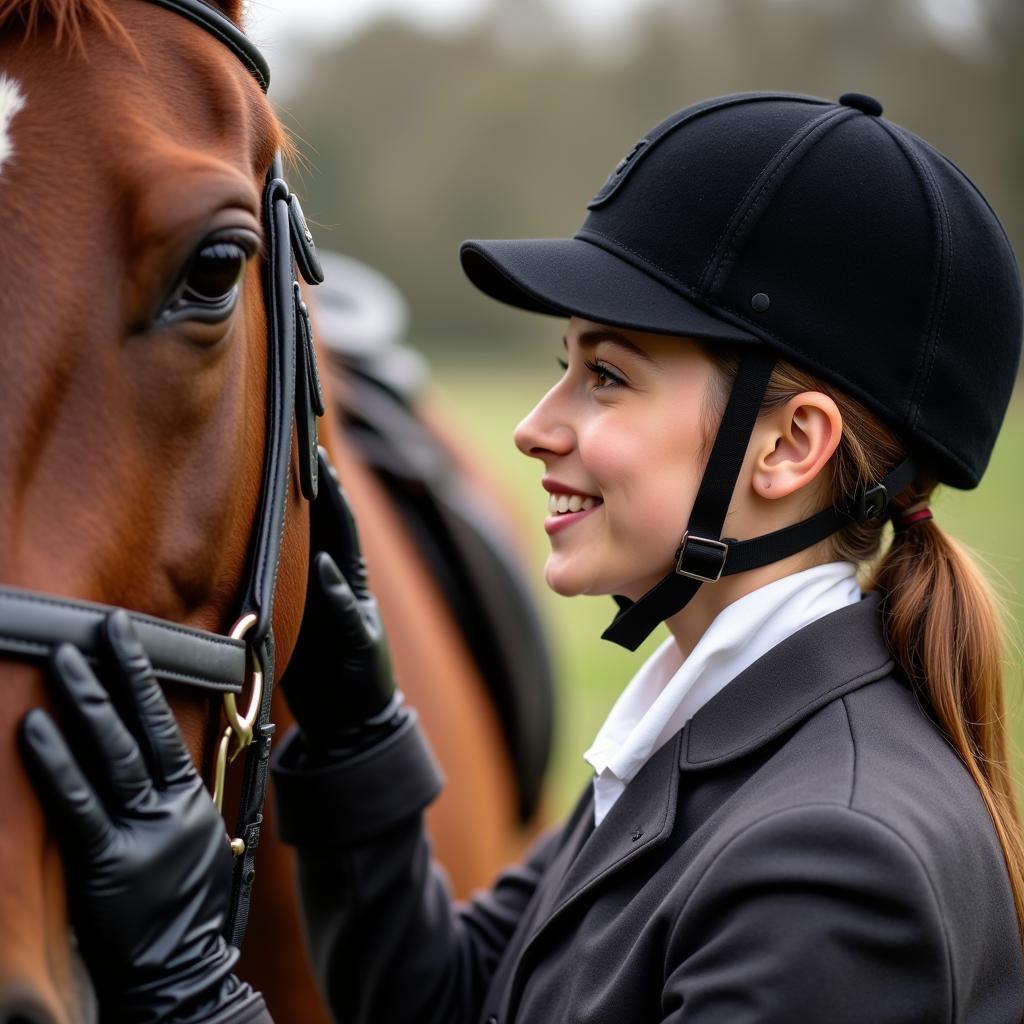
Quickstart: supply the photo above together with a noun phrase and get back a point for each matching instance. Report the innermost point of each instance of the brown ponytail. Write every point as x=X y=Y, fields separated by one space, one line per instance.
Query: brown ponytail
x=942 y=620
x=943 y=626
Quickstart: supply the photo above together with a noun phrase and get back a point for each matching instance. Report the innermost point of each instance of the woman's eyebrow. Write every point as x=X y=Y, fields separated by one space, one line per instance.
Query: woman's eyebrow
x=590 y=338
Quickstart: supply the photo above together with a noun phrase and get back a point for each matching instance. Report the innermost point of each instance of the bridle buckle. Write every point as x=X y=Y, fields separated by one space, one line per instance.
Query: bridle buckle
x=710 y=555
x=239 y=727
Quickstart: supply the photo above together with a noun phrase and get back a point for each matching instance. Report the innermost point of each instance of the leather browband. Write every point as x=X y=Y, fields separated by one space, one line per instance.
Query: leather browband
x=33 y=624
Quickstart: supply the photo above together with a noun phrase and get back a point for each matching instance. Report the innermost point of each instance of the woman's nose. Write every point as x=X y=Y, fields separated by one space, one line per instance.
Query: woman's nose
x=545 y=430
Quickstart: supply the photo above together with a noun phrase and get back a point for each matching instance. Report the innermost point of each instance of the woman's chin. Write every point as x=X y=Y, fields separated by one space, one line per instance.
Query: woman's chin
x=562 y=584
x=564 y=578
x=567 y=580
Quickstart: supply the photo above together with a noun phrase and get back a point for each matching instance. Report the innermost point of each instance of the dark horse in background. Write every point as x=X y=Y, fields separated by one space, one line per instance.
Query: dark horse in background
x=134 y=147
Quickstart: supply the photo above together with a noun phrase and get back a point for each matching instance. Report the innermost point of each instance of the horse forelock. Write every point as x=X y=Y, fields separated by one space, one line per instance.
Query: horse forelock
x=70 y=17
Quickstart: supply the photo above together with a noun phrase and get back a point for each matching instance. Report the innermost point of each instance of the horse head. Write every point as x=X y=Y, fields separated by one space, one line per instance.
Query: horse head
x=135 y=378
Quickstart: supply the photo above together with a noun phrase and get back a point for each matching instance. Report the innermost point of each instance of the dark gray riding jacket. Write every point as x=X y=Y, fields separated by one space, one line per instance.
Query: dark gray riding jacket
x=807 y=848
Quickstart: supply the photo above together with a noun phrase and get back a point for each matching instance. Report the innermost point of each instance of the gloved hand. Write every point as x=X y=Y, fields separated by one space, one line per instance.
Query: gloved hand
x=338 y=683
x=146 y=856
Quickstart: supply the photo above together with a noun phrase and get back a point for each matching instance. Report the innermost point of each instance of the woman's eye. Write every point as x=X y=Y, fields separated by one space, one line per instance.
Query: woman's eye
x=207 y=288
x=215 y=270
x=606 y=376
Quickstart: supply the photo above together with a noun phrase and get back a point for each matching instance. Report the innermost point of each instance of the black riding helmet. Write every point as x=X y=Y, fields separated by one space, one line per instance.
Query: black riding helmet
x=802 y=229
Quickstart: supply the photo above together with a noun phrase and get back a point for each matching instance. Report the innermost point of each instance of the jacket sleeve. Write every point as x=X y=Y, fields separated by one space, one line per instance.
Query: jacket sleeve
x=814 y=913
x=388 y=944
x=235 y=1003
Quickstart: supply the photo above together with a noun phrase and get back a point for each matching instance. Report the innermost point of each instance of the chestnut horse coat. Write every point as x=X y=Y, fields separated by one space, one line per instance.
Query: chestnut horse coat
x=807 y=848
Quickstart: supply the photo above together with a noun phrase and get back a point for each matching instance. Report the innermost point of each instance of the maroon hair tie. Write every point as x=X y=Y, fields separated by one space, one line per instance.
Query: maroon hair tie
x=919 y=513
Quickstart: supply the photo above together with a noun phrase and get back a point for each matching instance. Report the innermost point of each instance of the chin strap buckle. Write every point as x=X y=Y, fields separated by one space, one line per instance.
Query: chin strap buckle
x=704 y=559
x=871 y=503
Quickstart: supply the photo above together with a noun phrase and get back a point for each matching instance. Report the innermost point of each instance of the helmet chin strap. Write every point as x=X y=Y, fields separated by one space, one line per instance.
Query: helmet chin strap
x=703 y=556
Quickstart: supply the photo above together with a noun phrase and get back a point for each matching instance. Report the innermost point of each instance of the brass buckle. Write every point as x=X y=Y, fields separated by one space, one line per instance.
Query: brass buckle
x=238 y=726
x=716 y=544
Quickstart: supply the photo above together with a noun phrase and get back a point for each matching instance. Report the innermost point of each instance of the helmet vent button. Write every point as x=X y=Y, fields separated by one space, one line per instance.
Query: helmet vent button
x=760 y=302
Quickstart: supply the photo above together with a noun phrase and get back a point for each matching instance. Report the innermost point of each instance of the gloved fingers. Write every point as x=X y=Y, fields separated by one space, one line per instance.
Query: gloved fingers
x=342 y=604
x=143 y=703
x=337 y=522
x=121 y=771
x=71 y=803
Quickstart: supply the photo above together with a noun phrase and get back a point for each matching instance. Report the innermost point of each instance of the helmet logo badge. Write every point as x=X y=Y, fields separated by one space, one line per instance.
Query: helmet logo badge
x=615 y=179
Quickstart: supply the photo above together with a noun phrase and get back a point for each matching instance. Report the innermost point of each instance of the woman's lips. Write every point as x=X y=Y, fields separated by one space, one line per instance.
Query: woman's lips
x=563 y=520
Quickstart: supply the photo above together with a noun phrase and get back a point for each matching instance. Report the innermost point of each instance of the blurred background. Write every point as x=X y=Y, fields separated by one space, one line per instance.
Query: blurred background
x=424 y=122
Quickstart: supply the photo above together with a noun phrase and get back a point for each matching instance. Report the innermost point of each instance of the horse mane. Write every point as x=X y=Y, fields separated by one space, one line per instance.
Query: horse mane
x=69 y=18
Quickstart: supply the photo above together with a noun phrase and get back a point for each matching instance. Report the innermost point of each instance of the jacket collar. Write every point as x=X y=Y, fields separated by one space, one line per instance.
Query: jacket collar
x=830 y=657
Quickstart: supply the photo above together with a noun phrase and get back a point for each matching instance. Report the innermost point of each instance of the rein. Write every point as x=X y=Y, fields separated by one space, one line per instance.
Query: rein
x=32 y=624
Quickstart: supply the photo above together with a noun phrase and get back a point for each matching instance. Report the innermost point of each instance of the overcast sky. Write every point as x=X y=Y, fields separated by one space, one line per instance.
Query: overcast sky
x=289 y=30
x=270 y=18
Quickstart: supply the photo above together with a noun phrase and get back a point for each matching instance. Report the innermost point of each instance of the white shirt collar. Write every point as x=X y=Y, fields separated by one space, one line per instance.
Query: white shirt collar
x=667 y=691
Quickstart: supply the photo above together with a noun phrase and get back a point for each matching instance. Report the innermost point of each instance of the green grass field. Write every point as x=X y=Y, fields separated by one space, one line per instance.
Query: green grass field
x=485 y=402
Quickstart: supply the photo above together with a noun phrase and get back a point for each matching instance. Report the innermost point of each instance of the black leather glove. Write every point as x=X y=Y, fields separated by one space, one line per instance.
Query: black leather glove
x=145 y=852
x=338 y=682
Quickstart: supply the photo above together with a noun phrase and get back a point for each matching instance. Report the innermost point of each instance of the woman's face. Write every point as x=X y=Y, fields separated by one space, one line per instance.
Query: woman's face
x=621 y=437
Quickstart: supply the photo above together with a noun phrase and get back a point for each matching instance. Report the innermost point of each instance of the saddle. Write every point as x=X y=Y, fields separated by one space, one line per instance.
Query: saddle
x=360 y=317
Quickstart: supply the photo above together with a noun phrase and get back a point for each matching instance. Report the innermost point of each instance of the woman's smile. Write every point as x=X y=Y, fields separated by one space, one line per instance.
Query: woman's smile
x=560 y=520
x=566 y=505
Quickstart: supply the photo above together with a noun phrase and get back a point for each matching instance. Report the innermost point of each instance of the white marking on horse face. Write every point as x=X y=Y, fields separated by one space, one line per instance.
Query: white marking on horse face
x=12 y=99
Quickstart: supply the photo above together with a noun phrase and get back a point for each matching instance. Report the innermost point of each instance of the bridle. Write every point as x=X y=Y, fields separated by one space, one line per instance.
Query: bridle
x=33 y=623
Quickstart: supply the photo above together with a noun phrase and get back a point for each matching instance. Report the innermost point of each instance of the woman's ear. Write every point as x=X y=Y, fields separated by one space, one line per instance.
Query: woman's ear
x=794 y=442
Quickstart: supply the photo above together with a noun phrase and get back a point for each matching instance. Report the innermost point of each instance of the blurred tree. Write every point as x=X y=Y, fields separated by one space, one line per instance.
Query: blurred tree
x=506 y=130
x=1006 y=29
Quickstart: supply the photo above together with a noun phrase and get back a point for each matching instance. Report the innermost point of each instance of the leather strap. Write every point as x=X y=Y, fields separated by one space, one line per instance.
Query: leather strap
x=250 y=811
x=871 y=503
x=33 y=624
x=278 y=278
x=293 y=394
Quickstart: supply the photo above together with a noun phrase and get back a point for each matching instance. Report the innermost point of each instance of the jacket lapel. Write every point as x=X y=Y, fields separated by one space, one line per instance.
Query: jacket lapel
x=641 y=820
x=575 y=834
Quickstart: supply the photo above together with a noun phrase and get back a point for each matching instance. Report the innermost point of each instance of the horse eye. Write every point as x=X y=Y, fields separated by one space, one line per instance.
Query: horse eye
x=207 y=290
x=215 y=270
